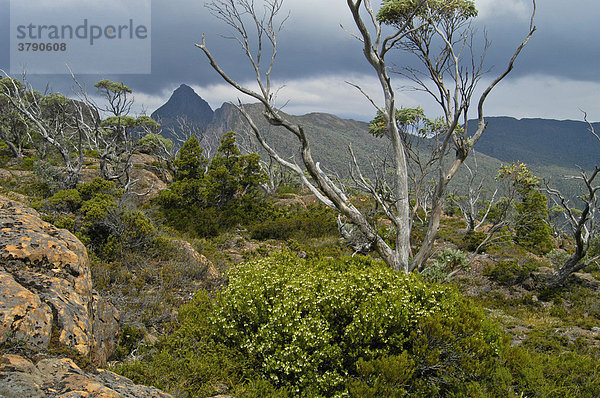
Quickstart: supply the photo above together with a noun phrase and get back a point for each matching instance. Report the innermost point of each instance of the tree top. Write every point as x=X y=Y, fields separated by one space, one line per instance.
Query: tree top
x=401 y=11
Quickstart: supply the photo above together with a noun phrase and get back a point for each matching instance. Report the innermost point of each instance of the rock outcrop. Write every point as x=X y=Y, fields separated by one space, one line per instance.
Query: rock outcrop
x=47 y=304
x=192 y=256
x=62 y=378
x=46 y=295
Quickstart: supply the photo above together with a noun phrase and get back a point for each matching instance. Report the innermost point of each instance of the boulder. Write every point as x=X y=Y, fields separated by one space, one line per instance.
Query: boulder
x=46 y=295
x=192 y=256
x=62 y=378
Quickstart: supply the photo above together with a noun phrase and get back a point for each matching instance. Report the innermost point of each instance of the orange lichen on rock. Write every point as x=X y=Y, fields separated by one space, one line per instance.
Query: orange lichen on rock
x=45 y=283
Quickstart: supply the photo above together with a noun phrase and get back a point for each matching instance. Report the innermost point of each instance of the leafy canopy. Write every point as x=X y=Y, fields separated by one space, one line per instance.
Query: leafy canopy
x=107 y=86
x=400 y=12
x=519 y=176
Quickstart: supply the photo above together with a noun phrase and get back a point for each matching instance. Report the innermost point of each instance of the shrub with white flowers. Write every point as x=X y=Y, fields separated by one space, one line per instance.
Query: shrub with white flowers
x=307 y=323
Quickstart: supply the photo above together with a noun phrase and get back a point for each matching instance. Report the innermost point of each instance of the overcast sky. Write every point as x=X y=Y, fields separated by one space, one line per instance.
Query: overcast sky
x=557 y=75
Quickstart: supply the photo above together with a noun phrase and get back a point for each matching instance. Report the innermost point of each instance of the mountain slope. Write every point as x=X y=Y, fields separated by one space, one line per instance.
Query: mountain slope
x=540 y=142
x=551 y=148
x=328 y=134
x=183 y=104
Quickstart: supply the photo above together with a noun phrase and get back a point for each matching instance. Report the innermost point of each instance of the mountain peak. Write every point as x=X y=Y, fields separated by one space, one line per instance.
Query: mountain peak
x=186 y=104
x=184 y=88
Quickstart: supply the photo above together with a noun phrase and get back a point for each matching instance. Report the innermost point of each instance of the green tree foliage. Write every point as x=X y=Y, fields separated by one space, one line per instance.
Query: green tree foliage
x=232 y=175
x=531 y=209
x=190 y=162
x=406 y=118
x=401 y=12
x=152 y=142
x=532 y=229
x=209 y=196
x=519 y=176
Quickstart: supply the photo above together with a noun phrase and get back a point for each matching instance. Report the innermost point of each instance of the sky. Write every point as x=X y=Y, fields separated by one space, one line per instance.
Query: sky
x=557 y=76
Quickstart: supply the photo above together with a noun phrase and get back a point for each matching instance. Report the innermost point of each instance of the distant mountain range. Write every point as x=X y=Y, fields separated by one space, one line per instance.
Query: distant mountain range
x=540 y=142
x=551 y=148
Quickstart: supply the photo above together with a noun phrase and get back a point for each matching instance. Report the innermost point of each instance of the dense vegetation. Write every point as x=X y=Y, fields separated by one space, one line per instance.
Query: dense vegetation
x=352 y=327
x=281 y=305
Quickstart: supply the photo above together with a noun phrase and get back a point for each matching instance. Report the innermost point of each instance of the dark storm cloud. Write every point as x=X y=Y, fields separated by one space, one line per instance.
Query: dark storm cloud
x=305 y=49
x=4 y=29
x=566 y=45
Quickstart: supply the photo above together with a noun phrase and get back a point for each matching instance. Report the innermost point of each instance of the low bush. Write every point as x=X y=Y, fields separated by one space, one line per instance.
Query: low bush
x=296 y=223
x=472 y=240
x=510 y=272
x=446 y=261
x=290 y=327
x=92 y=211
x=189 y=363
x=326 y=327
x=554 y=374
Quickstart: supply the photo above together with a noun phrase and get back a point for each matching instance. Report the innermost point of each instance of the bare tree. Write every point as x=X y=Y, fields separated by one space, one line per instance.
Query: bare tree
x=475 y=206
x=414 y=28
x=583 y=223
x=14 y=126
x=52 y=117
x=110 y=130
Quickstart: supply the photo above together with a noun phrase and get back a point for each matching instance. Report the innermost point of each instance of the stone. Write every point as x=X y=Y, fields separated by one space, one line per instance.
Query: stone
x=46 y=294
x=188 y=251
x=54 y=377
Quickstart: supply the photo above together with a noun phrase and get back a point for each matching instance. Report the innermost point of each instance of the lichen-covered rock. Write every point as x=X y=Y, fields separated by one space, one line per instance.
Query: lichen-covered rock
x=105 y=328
x=46 y=294
x=187 y=250
x=62 y=378
x=23 y=316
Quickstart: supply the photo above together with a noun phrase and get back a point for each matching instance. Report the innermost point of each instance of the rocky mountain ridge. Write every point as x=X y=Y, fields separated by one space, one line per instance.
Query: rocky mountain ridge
x=552 y=148
x=183 y=104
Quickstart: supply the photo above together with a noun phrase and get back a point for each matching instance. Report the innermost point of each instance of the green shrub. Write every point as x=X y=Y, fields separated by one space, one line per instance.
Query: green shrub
x=93 y=213
x=129 y=340
x=98 y=207
x=472 y=240
x=284 y=189
x=314 y=325
x=66 y=222
x=448 y=356
x=510 y=272
x=153 y=143
x=68 y=200
x=553 y=375
x=189 y=363
x=207 y=198
x=446 y=261
x=296 y=223
x=98 y=186
x=27 y=163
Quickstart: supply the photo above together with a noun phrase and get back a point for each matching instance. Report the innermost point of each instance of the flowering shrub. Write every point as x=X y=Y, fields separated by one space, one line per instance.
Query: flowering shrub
x=310 y=324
